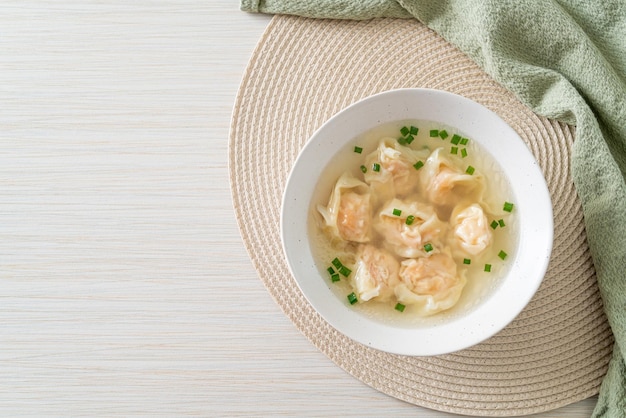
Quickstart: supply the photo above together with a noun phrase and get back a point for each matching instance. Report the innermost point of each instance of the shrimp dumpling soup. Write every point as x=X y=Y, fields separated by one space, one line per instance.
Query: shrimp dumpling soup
x=413 y=223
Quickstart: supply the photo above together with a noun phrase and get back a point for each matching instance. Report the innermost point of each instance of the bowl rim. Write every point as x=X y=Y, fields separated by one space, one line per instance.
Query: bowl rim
x=535 y=222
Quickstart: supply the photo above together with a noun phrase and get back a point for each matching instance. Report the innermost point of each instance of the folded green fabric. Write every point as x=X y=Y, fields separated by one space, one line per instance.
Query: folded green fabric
x=566 y=60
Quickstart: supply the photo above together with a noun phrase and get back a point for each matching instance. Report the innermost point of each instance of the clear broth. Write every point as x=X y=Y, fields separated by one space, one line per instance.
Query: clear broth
x=480 y=284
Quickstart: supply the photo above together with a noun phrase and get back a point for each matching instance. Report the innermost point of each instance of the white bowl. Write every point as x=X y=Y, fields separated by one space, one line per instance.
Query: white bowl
x=533 y=211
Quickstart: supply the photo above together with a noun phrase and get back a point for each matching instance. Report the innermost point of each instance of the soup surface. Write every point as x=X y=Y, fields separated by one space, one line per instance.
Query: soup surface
x=413 y=223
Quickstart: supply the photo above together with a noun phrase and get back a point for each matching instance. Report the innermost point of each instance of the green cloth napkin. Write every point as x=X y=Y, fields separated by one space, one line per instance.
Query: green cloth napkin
x=566 y=60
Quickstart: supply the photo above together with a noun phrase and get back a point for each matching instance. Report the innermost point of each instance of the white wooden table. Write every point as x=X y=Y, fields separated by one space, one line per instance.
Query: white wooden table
x=125 y=289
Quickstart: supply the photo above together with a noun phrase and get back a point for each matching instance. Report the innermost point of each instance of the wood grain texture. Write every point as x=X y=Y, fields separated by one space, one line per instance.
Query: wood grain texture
x=125 y=289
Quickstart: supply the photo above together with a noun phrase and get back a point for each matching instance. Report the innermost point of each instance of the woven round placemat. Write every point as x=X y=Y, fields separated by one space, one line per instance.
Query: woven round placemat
x=302 y=72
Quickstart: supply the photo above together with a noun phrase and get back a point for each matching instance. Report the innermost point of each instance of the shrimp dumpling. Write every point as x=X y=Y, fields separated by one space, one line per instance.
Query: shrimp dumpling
x=376 y=274
x=397 y=176
x=348 y=215
x=444 y=183
x=470 y=228
x=431 y=284
x=408 y=240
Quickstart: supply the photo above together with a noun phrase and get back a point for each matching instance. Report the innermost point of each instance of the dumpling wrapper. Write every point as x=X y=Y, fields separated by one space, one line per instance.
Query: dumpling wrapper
x=446 y=184
x=470 y=229
x=397 y=176
x=429 y=284
x=408 y=240
x=348 y=215
x=376 y=274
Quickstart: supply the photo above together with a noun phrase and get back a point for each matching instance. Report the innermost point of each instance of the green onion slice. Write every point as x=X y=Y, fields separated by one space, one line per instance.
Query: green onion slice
x=352 y=298
x=330 y=270
x=402 y=141
x=428 y=247
x=345 y=271
x=455 y=139
x=470 y=170
x=409 y=220
x=358 y=150
x=494 y=224
x=501 y=223
x=335 y=278
x=397 y=212
x=418 y=165
x=454 y=150
x=404 y=131
x=464 y=141
x=413 y=130
x=434 y=133
x=399 y=307
x=364 y=169
x=376 y=167
x=508 y=206
x=443 y=134
x=467 y=261
x=502 y=254
x=409 y=139
x=487 y=268
x=463 y=152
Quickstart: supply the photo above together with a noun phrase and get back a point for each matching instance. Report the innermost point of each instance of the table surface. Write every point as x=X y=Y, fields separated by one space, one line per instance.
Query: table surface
x=125 y=288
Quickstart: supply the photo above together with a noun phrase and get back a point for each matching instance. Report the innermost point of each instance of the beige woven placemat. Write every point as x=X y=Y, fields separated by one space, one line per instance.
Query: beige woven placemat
x=302 y=72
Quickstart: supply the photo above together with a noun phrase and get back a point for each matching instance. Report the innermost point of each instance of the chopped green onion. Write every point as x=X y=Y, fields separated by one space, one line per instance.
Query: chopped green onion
x=334 y=277
x=434 y=133
x=345 y=271
x=376 y=167
x=428 y=247
x=358 y=150
x=455 y=139
x=364 y=169
x=414 y=130
x=487 y=268
x=409 y=139
x=464 y=141
x=467 y=261
x=337 y=263
x=397 y=212
x=494 y=224
x=454 y=150
x=443 y=134
x=409 y=220
x=399 y=307
x=508 y=206
x=502 y=254
x=470 y=170
x=402 y=141
x=463 y=153
x=352 y=298
x=501 y=223
x=418 y=165
x=404 y=131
